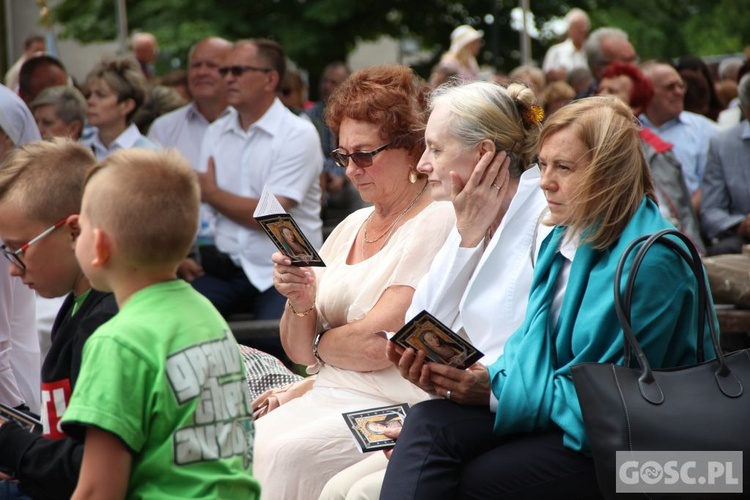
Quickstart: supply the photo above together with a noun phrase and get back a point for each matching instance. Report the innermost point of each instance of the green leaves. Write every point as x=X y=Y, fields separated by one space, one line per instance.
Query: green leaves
x=315 y=32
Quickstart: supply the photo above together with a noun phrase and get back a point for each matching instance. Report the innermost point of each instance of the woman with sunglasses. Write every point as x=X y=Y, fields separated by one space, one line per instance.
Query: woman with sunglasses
x=336 y=315
x=116 y=88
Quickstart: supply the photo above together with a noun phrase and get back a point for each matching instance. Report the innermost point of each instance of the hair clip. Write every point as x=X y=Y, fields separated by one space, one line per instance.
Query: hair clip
x=532 y=115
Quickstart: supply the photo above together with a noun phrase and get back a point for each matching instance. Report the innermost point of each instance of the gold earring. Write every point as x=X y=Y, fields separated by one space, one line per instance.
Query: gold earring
x=413 y=176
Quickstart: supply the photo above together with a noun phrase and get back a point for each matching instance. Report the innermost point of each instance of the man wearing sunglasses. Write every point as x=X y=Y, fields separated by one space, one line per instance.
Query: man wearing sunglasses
x=258 y=143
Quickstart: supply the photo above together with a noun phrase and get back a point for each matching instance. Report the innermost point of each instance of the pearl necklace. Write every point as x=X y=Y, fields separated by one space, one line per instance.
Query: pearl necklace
x=392 y=227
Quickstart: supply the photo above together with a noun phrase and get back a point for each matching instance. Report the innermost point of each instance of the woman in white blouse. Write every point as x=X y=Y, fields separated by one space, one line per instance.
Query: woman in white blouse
x=480 y=140
x=374 y=260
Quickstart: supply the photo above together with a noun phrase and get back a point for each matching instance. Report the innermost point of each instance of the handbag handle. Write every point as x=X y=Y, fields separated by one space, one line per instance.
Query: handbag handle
x=691 y=258
x=648 y=385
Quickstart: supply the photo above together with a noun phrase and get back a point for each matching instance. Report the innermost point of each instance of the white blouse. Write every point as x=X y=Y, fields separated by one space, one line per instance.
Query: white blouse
x=347 y=292
x=485 y=292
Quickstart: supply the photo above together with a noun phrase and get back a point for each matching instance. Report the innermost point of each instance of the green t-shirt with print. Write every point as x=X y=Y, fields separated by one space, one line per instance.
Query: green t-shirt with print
x=165 y=375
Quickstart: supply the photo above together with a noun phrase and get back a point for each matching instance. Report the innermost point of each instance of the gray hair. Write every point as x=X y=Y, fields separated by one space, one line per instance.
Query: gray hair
x=729 y=67
x=743 y=92
x=593 y=45
x=482 y=110
x=69 y=103
x=576 y=13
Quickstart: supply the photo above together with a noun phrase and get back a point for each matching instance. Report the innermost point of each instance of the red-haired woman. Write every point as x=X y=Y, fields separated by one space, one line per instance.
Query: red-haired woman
x=374 y=261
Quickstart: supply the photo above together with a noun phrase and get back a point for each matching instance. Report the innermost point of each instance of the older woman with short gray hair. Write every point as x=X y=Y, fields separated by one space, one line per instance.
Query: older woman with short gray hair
x=60 y=111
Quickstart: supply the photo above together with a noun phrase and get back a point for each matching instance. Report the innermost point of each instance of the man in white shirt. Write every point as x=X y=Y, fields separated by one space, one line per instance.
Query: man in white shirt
x=258 y=143
x=561 y=58
x=690 y=133
x=183 y=129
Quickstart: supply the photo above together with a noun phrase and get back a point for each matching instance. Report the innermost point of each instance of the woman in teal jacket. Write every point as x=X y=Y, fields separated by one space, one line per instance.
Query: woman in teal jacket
x=518 y=432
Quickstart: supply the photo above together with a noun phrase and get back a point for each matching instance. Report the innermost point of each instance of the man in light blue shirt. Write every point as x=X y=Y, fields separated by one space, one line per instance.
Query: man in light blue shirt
x=688 y=132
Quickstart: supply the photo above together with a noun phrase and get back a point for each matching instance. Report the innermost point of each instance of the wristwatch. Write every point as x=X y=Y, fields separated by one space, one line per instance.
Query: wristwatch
x=316 y=343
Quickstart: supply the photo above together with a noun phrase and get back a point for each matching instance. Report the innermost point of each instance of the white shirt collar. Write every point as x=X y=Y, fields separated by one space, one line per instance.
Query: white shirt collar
x=270 y=123
x=745 y=134
x=193 y=113
x=126 y=139
x=570 y=243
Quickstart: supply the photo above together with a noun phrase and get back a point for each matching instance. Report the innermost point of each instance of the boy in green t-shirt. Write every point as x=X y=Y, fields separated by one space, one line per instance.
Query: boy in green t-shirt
x=161 y=395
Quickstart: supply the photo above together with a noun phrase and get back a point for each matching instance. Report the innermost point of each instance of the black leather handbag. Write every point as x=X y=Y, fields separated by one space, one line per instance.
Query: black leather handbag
x=700 y=407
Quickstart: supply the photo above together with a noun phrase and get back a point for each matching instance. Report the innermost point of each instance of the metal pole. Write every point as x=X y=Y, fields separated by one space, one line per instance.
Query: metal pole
x=525 y=39
x=495 y=40
x=122 y=18
x=9 y=46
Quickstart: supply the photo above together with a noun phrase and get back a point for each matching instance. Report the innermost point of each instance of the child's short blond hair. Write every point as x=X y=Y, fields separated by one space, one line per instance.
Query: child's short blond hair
x=46 y=178
x=148 y=202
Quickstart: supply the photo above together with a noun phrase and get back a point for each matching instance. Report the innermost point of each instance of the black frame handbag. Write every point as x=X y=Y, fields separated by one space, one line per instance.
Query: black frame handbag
x=699 y=407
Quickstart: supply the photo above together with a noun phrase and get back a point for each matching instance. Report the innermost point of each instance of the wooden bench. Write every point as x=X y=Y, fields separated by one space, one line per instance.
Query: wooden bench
x=734 y=325
x=734 y=320
x=246 y=329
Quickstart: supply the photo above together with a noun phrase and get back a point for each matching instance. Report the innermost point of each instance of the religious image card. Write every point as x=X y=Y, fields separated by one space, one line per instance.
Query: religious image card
x=368 y=426
x=27 y=422
x=441 y=344
x=284 y=232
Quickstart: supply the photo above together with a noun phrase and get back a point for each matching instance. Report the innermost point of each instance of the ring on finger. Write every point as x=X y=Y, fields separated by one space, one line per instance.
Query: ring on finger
x=495 y=186
x=448 y=394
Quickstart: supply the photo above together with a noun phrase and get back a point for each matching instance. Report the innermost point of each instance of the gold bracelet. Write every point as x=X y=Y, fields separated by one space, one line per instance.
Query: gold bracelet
x=303 y=313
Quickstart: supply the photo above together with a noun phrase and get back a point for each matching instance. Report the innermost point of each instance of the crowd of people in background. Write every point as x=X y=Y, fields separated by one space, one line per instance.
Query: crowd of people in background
x=440 y=193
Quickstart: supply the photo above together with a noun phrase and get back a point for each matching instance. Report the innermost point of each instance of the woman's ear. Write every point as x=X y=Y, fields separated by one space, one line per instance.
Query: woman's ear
x=127 y=106
x=75 y=129
x=487 y=146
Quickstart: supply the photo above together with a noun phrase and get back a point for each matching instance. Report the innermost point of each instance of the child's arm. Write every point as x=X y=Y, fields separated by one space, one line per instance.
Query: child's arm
x=105 y=470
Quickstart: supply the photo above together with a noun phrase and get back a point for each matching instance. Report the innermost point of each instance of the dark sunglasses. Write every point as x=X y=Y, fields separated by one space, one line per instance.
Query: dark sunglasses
x=362 y=159
x=241 y=70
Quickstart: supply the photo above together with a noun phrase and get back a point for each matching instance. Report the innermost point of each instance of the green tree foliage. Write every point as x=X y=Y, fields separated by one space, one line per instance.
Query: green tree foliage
x=315 y=32
x=723 y=28
x=665 y=29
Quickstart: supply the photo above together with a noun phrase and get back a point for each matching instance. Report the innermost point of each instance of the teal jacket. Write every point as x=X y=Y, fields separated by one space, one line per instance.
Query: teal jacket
x=532 y=379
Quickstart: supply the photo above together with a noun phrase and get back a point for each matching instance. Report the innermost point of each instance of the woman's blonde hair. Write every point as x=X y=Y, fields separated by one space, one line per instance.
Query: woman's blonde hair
x=617 y=178
x=484 y=110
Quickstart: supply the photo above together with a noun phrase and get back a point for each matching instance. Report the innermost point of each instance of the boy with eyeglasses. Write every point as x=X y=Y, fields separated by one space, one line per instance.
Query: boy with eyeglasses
x=41 y=186
x=161 y=398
